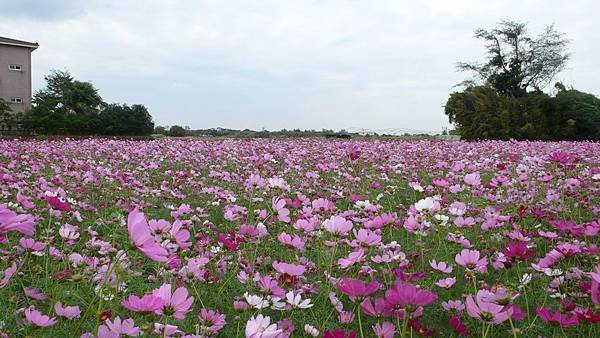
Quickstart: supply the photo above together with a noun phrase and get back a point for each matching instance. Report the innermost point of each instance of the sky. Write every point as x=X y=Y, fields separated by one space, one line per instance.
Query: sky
x=272 y=64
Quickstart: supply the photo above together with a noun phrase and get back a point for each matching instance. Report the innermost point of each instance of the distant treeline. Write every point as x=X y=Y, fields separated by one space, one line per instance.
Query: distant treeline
x=179 y=131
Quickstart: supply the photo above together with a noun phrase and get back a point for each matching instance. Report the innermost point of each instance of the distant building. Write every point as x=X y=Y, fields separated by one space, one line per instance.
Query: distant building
x=15 y=72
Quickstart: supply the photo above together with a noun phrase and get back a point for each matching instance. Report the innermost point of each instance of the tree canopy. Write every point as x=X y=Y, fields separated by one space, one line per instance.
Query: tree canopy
x=71 y=107
x=515 y=61
x=505 y=99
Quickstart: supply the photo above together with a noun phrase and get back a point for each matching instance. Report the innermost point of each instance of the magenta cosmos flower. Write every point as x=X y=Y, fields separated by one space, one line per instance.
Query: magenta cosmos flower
x=407 y=298
x=485 y=310
x=356 y=288
x=471 y=260
x=177 y=304
x=557 y=317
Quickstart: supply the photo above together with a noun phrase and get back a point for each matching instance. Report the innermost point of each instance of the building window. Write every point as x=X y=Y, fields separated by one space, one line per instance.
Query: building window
x=16 y=68
x=16 y=100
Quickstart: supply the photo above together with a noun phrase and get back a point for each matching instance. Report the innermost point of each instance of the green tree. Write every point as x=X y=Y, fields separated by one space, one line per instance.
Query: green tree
x=515 y=61
x=8 y=119
x=65 y=106
x=124 y=120
x=177 y=131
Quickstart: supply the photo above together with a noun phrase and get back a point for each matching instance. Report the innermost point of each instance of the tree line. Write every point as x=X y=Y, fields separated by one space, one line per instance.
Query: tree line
x=504 y=100
x=70 y=107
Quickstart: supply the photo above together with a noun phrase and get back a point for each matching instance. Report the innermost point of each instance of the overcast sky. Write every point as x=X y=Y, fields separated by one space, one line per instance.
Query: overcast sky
x=286 y=64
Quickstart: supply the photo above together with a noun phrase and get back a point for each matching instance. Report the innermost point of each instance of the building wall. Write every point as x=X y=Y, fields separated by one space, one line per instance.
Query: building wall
x=15 y=83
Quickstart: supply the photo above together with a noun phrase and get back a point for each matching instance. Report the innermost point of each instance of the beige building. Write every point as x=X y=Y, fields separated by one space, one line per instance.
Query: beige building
x=15 y=72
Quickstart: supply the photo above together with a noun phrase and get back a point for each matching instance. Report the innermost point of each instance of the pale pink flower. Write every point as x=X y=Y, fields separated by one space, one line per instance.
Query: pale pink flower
x=118 y=328
x=34 y=317
x=70 y=312
x=289 y=269
x=446 y=283
x=261 y=327
x=470 y=259
x=441 y=266
x=486 y=311
x=148 y=303
x=177 y=304
x=338 y=225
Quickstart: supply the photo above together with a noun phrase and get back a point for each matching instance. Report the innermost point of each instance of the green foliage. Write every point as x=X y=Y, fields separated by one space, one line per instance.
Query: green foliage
x=515 y=61
x=70 y=107
x=177 y=131
x=503 y=108
x=8 y=119
x=118 y=119
x=480 y=112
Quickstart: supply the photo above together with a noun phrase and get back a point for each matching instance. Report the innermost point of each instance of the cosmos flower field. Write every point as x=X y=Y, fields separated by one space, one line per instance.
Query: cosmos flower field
x=299 y=238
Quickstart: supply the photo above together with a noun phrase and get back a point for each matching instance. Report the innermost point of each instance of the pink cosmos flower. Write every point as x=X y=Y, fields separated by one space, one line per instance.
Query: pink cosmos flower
x=470 y=260
x=212 y=321
x=34 y=317
x=176 y=304
x=338 y=225
x=486 y=311
x=473 y=179
x=367 y=237
x=283 y=214
x=11 y=221
x=446 y=283
x=34 y=294
x=118 y=328
x=353 y=258
x=30 y=243
x=441 y=266
x=453 y=305
x=25 y=202
x=356 y=288
x=384 y=330
x=148 y=303
x=557 y=317
x=70 y=312
x=295 y=242
x=289 y=269
x=376 y=310
x=8 y=273
x=140 y=236
x=261 y=327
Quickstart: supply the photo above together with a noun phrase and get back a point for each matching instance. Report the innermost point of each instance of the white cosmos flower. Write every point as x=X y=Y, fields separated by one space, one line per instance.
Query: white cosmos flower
x=296 y=300
x=525 y=279
x=277 y=304
x=260 y=326
x=424 y=204
x=311 y=330
x=553 y=272
x=255 y=301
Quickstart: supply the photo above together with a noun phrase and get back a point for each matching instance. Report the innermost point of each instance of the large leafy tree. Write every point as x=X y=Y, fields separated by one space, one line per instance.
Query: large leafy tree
x=71 y=107
x=64 y=94
x=515 y=61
